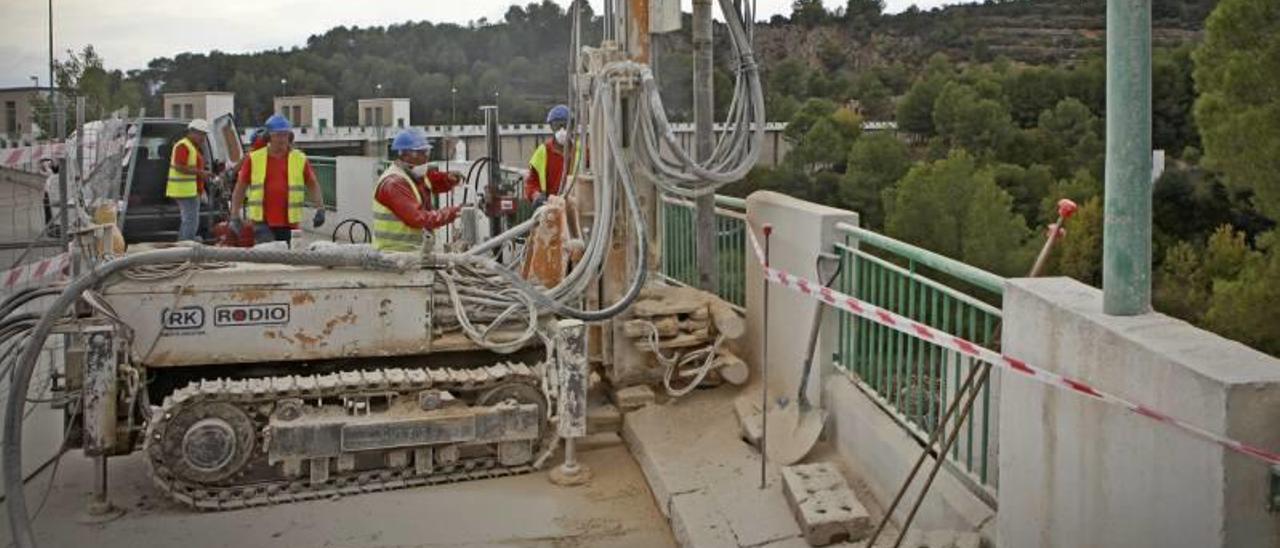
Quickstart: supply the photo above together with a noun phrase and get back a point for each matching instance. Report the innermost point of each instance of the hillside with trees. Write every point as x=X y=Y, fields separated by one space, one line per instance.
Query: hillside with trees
x=985 y=149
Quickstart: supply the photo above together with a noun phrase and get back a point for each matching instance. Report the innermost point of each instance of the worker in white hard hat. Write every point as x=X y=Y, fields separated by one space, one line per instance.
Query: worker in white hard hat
x=187 y=175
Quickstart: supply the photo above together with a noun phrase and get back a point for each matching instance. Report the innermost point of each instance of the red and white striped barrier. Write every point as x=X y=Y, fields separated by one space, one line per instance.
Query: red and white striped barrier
x=916 y=329
x=53 y=268
x=26 y=157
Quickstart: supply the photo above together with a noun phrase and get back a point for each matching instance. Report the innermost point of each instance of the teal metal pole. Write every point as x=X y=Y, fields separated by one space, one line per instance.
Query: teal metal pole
x=1126 y=256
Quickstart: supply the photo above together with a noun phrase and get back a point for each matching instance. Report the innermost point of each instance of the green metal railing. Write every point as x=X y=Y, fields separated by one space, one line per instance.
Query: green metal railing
x=676 y=220
x=326 y=170
x=913 y=379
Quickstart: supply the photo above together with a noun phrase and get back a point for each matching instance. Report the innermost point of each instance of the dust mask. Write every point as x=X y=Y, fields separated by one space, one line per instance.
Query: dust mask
x=562 y=136
x=420 y=172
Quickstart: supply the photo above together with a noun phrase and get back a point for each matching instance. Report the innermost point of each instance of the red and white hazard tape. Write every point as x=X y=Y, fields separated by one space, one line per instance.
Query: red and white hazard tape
x=53 y=268
x=918 y=330
x=21 y=157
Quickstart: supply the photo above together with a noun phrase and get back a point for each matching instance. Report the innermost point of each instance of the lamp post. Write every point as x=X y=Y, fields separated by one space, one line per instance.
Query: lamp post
x=284 y=89
x=453 y=107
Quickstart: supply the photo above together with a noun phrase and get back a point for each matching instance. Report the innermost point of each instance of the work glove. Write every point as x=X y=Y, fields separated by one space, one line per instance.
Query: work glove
x=442 y=217
x=318 y=221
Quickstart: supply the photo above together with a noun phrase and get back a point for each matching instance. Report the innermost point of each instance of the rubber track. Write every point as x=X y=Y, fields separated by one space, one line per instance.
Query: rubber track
x=252 y=394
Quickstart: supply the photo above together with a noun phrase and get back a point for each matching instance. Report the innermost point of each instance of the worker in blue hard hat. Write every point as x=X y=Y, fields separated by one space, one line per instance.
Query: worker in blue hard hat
x=547 y=169
x=402 y=205
x=275 y=180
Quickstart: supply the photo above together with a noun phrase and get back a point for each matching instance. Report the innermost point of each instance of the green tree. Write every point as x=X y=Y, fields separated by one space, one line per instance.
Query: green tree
x=1238 y=110
x=915 y=110
x=1182 y=289
x=875 y=162
x=1073 y=136
x=821 y=147
x=875 y=97
x=83 y=74
x=954 y=208
x=861 y=15
x=808 y=114
x=1246 y=307
x=809 y=13
x=1029 y=187
x=1031 y=91
x=965 y=119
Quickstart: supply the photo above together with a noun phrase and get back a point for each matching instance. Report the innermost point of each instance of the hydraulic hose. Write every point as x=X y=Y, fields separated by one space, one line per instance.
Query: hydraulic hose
x=16 y=504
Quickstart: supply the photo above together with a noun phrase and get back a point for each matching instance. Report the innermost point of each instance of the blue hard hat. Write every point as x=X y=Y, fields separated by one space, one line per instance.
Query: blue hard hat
x=410 y=139
x=278 y=124
x=558 y=113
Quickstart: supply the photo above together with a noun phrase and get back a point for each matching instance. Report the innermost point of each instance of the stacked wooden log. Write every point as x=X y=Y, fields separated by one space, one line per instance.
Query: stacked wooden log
x=686 y=320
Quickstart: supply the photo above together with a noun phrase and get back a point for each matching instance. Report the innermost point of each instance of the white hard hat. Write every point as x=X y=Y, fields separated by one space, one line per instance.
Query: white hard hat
x=199 y=125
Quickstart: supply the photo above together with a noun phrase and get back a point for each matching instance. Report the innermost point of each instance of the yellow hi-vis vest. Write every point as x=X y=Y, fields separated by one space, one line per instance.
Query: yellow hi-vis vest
x=180 y=184
x=389 y=232
x=538 y=162
x=258 y=185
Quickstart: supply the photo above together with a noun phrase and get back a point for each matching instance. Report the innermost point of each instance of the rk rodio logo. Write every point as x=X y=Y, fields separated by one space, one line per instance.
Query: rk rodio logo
x=187 y=317
x=257 y=314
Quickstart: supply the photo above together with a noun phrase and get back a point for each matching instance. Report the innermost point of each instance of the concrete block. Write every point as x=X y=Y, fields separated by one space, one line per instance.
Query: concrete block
x=750 y=420
x=942 y=539
x=634 y=397
x=824 y=506
x=604 y=418
x=697 y=523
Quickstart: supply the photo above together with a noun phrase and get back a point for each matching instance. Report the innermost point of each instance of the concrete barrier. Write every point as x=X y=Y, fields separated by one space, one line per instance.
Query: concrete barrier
x=1076 y=472
x=872 y=445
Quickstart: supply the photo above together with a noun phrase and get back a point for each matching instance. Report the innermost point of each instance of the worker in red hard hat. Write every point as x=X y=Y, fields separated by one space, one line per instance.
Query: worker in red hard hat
x=402 y=206
x=547 y=168
x=276 y=180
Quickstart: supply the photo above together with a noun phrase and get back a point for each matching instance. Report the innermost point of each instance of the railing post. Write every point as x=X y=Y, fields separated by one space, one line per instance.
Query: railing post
x=1126 y=261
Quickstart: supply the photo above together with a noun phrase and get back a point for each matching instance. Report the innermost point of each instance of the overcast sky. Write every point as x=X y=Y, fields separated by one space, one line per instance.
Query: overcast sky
x=129 y=34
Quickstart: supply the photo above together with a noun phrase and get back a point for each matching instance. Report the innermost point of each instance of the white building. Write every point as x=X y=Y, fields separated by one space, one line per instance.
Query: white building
x=307 y=111
x=199 y=104
x=384 y=112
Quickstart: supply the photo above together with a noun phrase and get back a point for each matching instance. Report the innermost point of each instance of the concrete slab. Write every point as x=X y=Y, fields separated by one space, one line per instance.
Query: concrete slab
x=614 y=510
x=694 y=446
x=634 y=397
x=942 y=539
x=696 y=522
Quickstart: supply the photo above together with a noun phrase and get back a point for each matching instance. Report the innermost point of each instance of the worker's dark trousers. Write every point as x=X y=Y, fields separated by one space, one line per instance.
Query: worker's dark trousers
x=263 y=234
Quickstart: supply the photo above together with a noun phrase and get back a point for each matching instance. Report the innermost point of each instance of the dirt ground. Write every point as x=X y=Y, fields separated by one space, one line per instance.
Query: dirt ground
x=615 y=510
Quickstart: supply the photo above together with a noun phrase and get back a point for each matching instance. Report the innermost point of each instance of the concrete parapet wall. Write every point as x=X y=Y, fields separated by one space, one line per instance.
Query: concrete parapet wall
x=878 y=450
x=801 y=230
x=1076 y=472
x=872 y=444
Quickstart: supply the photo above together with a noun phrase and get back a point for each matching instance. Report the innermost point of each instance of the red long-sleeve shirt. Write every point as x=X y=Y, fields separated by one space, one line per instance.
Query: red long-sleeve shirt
x=555 y=172
x=396 y=195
